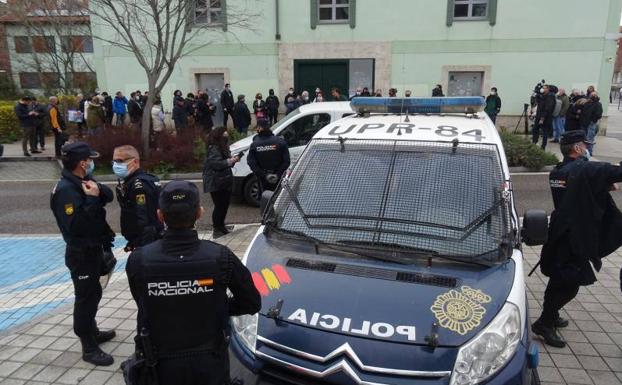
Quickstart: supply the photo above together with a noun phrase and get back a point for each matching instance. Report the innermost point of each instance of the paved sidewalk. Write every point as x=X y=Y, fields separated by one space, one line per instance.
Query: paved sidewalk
x=45 y=351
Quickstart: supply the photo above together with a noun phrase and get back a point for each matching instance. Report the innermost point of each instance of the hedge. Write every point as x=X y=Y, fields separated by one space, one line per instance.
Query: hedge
x=520 y=152
x=10 y=130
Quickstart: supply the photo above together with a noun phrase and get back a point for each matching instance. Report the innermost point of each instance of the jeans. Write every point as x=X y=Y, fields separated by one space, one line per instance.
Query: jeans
x=559 y=127
x=40 y=137
x=592 y=130
x=493 y=117
x=28 y=139
x=221 y=206
x=535 y=133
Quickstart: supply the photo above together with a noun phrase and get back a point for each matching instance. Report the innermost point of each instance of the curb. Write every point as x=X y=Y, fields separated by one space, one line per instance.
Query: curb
x=186 y=176
x=27 y=159
x=516 y=170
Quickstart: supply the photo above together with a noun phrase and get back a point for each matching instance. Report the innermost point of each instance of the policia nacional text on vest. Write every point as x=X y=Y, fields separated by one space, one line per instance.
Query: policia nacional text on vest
x=180 y=286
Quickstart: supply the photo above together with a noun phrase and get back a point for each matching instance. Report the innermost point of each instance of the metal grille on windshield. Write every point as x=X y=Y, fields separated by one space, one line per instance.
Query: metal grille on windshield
x=445 y=198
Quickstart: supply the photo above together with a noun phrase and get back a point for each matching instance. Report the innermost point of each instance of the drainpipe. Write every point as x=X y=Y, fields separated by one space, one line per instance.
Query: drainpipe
x=278 y=31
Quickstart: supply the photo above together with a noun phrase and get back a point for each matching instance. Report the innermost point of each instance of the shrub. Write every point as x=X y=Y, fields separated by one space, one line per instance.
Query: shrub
x=10 y=129
x=182 y=153
x=521 y=152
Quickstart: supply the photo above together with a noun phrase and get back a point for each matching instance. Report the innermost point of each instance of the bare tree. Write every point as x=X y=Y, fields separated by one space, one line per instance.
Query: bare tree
x=45 y=21
x=161 y=32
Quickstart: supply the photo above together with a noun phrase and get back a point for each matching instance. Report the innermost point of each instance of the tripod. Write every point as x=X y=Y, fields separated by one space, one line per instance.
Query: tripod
x=523 y=116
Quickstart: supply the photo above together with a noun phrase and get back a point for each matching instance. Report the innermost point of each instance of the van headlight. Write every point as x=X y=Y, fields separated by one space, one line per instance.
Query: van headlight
x=245 y=327
x=490 y=350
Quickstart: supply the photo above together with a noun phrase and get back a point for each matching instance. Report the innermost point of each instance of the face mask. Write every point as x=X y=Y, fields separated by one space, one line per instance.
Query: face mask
x=291 y=92
x=320 y=99
x=90 y=168
x=306 y=98
x=586 y=154
x=358 y=92
x=493 y=93
x=120 y=169
x=541 y=90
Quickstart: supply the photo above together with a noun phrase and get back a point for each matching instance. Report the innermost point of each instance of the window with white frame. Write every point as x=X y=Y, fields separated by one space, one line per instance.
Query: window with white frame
x=208 y=12
x=334 y=11
x=470 y=9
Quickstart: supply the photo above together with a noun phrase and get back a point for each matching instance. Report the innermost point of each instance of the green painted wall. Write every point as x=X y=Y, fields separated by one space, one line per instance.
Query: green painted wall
x=562 y=41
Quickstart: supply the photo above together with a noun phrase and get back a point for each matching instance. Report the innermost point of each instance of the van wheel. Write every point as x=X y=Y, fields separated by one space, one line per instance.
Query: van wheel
x=251 y=191
x=535 y=377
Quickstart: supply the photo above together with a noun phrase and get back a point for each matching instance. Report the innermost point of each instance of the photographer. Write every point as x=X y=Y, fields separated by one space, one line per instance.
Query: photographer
x=544 y=116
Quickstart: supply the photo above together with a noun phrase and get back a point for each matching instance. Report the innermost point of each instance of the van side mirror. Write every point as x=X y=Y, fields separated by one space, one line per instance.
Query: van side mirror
x=266 y=196
x=535 y=229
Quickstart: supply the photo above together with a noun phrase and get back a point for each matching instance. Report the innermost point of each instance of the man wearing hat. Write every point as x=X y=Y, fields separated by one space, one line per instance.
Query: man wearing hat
x=78 y=204
x=180 y=286
x=585 y=227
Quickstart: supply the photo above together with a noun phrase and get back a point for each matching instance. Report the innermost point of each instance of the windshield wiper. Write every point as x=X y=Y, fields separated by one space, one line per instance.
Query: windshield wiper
x=396 y=248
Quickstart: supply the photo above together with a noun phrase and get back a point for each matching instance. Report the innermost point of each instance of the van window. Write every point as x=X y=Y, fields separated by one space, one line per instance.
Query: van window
x=300 y=132
x=406 y=195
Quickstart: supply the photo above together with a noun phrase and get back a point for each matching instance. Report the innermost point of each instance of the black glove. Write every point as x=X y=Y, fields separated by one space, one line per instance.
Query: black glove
x=109 y=263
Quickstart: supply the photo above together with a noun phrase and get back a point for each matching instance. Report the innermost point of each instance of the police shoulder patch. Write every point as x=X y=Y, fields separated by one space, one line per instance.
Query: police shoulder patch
x=140 y=199
x=138 y=183
x=69 y=209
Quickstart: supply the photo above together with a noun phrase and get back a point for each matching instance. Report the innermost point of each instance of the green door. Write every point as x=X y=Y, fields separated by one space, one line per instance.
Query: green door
x=325 y=74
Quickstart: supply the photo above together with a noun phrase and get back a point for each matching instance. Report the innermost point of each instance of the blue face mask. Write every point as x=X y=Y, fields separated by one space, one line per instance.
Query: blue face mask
x=120 y=169
x=586 y=154
x=90 y=168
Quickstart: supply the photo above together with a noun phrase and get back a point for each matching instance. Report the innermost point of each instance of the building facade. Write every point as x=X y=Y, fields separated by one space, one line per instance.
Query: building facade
x=47 y=46
x=467 y=46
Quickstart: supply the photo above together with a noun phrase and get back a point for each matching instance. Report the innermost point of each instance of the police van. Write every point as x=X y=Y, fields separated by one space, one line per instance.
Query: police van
x=391 y=254
x=297 y=128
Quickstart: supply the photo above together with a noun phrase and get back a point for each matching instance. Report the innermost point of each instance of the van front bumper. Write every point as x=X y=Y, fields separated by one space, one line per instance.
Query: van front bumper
x=250 y=371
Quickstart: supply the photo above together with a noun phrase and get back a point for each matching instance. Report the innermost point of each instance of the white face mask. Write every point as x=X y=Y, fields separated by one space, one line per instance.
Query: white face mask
x=493 y=93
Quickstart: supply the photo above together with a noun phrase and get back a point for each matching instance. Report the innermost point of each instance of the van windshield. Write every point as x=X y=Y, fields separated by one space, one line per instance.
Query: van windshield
x=442 y=198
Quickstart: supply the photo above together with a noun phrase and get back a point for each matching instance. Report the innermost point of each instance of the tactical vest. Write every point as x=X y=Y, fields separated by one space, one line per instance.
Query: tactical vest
x=185 y=298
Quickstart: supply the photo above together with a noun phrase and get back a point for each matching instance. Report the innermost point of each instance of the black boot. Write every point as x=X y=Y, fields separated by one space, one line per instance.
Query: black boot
x=549 y=334
x=91 y=353
x=104 y=336
x=217 y=233
x=561 y=323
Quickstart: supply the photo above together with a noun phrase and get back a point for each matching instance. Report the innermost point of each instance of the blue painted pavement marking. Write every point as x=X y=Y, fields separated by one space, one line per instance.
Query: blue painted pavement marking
x=33 y=277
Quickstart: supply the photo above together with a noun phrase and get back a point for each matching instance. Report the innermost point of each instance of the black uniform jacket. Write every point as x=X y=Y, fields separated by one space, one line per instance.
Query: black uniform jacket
x=81 y=218
x=138 y=197
x=180 y=286
x=586 y=225
x=268 y=154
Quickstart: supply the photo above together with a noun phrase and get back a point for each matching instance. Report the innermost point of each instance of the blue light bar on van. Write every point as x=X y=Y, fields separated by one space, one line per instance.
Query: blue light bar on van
x=447 y=105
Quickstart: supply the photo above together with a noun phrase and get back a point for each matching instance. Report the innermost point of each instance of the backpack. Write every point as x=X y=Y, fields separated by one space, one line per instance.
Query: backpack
x=558 y=107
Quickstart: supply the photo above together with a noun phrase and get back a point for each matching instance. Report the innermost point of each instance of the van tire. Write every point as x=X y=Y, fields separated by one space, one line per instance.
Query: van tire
x=251 y=191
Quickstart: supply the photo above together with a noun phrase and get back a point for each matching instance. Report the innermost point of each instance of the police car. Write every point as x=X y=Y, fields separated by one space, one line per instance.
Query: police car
x=297 y=128
x=391 y=254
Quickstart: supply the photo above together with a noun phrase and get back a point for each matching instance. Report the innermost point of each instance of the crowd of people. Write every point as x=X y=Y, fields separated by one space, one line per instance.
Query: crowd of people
x=554 y=112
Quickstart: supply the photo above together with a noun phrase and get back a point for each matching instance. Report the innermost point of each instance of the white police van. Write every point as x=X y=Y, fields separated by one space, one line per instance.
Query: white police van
x=392 y=254
x=297 y=128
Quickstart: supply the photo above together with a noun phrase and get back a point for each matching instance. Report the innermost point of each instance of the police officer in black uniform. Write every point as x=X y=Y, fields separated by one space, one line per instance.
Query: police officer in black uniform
x=268 y=157
x=78 y=204
x=137 y=193
x=585 y=227
x=180 y=286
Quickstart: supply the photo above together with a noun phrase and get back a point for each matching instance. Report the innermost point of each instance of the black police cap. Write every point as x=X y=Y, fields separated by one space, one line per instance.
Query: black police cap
x=177 y=193
x=78 y=151
x=575 y=136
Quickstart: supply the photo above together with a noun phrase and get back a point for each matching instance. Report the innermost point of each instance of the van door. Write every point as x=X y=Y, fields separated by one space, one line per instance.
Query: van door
x=298 y=133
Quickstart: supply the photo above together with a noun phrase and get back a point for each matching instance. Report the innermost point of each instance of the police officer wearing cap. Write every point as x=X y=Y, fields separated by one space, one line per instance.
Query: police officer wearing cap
x=78 y=204
x=268 y=157
x=585 y=227
x=137 y=194
x=180 y=287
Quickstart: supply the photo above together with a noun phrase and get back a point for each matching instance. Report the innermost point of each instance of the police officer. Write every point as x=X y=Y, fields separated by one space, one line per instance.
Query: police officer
x=137 y=193
x=180 y=286
x=585 y=227
x=78 y=205
x=268 y=157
